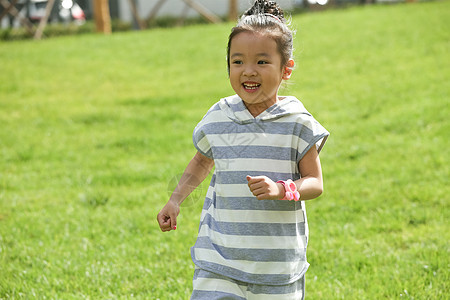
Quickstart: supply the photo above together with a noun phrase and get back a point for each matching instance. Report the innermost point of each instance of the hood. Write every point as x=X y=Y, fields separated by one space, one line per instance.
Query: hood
x=236 y=110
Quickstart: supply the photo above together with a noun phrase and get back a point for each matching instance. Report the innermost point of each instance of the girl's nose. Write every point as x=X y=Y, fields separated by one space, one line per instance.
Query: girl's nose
x=249 y=70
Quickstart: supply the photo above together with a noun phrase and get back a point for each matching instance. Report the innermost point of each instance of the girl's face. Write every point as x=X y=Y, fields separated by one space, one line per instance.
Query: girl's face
x=255 y=69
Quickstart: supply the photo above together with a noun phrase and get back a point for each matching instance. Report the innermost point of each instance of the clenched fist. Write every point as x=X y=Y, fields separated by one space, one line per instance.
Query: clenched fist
x=264 y=188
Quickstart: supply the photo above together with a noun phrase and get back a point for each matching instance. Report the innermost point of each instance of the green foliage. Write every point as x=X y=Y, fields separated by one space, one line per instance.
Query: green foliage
x=95 y=129
x=60 y=29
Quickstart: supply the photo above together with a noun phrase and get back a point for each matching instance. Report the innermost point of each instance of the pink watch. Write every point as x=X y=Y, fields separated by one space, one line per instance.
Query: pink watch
x=291 y=190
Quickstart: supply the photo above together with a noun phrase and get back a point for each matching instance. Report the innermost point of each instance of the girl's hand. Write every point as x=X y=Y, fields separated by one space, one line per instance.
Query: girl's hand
x=167 y=217
x=264 y=188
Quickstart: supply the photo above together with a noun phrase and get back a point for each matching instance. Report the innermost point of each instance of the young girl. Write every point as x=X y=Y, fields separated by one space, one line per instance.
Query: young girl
x=264 y=147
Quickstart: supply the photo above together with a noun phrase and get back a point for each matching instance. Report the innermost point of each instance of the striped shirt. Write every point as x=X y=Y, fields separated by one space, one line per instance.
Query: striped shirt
x=250 y=240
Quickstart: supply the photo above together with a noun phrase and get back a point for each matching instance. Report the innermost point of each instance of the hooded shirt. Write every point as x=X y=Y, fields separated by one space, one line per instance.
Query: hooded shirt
x=250 y=240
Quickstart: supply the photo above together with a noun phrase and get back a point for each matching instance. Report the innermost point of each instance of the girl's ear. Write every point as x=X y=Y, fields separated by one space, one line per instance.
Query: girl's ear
x=287 y=72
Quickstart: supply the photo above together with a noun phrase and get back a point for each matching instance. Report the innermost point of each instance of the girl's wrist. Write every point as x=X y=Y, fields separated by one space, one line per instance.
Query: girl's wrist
x=175 y=200
x=281 y=190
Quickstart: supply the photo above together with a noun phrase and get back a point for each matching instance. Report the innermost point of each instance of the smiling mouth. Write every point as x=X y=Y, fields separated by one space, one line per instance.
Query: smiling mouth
x=251 y=86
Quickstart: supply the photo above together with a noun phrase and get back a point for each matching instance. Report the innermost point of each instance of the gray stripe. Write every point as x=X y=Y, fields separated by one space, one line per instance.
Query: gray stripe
x=281 y=128
x=276 y=110
x=294 y=287
x=249 y=151
x=237 y=107
x=215 y=107
x=257 y=255
x=312 y=142
x=254 y=229
x=213 y=295
x=245 y=203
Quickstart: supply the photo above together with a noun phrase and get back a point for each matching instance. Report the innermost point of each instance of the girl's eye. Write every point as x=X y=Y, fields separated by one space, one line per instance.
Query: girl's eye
x=237 y=62
x=262 y=62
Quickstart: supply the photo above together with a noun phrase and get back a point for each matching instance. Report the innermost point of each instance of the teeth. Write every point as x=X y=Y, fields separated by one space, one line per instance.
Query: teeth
x=251 y=85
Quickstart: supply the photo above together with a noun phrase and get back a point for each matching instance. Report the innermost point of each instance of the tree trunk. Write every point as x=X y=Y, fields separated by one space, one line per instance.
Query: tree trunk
x=102 y=16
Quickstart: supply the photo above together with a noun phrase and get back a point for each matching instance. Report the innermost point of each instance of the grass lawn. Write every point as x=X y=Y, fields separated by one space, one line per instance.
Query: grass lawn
x=94 y=129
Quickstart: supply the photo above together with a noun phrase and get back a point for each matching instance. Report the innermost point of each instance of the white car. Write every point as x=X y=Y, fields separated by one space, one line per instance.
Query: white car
x=68 y=10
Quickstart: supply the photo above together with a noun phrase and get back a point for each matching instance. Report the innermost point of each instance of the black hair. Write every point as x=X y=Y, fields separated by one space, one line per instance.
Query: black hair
x=265 y=7
x=265 y=17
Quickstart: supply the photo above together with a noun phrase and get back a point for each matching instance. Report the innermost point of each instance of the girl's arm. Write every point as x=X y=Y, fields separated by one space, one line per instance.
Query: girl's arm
x=196 y=171
x=310 y=186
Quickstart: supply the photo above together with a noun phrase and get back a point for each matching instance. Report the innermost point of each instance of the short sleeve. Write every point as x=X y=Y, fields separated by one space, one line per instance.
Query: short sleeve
x=200 y=137
x=312 y=133
x=201 y=142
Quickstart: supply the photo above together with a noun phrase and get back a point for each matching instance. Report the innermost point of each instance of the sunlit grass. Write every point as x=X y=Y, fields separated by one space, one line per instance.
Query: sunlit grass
x=93 y=129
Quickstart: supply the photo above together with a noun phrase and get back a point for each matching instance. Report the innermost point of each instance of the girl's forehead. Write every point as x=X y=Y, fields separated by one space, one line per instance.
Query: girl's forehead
x=253 y=42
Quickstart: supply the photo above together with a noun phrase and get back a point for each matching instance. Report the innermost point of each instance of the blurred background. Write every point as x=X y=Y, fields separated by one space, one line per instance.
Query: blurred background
x=22 y=18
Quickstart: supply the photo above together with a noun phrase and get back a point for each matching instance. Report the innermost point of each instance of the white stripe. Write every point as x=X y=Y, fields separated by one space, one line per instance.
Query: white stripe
x=203 y=144
x=219 y=116
x=291 y=296
x=253 y=139
x=255 y=165
x=256 y=216
x=217 y=285
x=233 y=190
x=210 y=192
x=216 y=116
x=253 y=242
x=300 y=119
x=301 y=145
x=273 y=268
x=242 y=115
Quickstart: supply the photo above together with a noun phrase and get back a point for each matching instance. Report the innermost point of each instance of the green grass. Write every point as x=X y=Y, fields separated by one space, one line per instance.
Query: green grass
x=93 y=129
